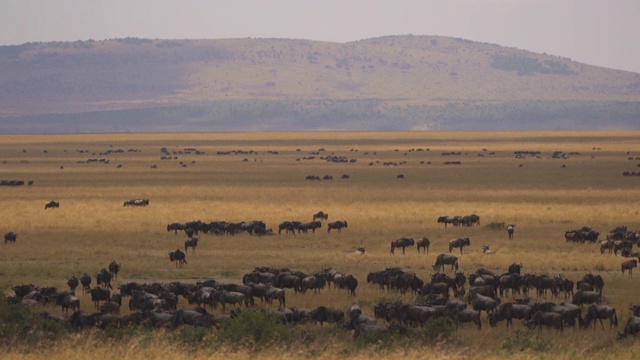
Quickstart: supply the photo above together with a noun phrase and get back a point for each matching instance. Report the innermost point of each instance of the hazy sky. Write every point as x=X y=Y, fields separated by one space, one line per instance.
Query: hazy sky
x=596 y=32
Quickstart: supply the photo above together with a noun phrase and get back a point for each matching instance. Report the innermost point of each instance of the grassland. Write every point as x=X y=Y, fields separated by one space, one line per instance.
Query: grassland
x=543 y=196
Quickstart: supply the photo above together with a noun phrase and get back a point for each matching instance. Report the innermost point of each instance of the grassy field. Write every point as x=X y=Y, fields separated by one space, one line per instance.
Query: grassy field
x=265 y=180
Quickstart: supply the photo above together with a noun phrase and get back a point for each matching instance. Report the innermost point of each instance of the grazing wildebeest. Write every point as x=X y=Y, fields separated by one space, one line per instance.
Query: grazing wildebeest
x=272 y=293
x=444 y=259
x=460 y=242
x=114 y=269
x=191 y=243
x=401 y=243
x=467 y=315
x=510 y=230
x=338 y=225
x=586 y=297
x=324 y=314
x=179 y=257
x=599 y=312
x=136 y=202
x=320 y=215
x=549 y=319
x=631 y=328
x=85 y=280
x=52 y=205
x=510 y=311
x=73 y=282
x=313 y=225
x=10 y=237
x=629 y=265
x=423 y=243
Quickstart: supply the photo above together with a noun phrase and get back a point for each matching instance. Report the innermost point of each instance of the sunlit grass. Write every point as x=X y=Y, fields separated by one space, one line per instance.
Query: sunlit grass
x=91 y=228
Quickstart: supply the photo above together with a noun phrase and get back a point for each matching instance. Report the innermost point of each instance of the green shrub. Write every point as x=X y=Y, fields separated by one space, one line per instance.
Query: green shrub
x=254 y=328
x=496 y=226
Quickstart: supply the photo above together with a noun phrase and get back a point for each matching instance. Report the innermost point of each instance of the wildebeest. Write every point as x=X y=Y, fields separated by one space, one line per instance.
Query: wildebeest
x=320 y=215
x=68 y=301
x=324 y=314
x=114 y=269
x=423 y=243
x=510 y=311
x=446 y=220
x=191 y=243
x=52 y=205
x=179 y=257
x=467 y=315
x=73 y=282
x=229 y=297
x=99 y=294
x=10 y=237
x=401 y=243
x=586 y=297
x=629 y=265
x=460 y=242
x=277 y=294
x=631 y=328
x=510 y=229
x=487 y=250
x=136 y=202
x=444 y=259
x=599 y=312
x=85 y=280
x=313 y=225
x=348 y=282
x=549 y=319
x=103 y=277
x=514 y=268
x=338 y=225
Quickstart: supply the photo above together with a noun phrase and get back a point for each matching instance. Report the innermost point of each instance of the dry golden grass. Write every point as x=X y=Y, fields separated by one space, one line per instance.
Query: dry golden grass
x=91 y=228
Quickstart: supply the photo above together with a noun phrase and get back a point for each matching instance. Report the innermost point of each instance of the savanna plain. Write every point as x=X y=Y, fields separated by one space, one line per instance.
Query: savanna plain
x=238 y=177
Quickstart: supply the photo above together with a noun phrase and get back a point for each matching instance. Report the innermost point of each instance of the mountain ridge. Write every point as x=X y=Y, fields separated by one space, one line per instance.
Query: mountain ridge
x=391 y=83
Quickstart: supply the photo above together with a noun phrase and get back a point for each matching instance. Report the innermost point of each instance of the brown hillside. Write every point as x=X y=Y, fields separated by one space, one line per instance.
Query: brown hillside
x=126 y=74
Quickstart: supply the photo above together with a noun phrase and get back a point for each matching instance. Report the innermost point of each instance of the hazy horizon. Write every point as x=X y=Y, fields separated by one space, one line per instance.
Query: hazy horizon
x=588 y=31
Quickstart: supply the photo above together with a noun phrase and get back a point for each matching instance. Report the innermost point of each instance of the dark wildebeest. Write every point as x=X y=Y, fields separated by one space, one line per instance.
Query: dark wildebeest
x=68 y=301
x=444 y=259
x=510 y=311
x=514 y=268
x=10 y=237
x=338 y=225
x=272 y=293
x=73 y=282
x=313 y=225
x=631 y=328
x=549 y=319
x=179 y=257
x=348 y=282
x=599 y=312
x=104 y=278
x=510 y=230
x=114 y=269
x=136 y=202
x=446 y=220
x=175 y=227
x=467 y=315
x=320 y=215
x=324 y=314
x=629 y=265
x=85 y=280
x=99 y=294
x=52 y=205
x=401 y=243
x=423 y=243
x=586 y=297
x=191 y=243
x=459 y=243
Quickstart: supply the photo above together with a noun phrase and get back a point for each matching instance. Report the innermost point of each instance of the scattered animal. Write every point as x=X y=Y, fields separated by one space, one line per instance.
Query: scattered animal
x=52 y=205
x=338 y=225
x=179 y=257
x=401 y=243
x=423 y=243
x=510 y=230
x=460 y=242
x=10 y=237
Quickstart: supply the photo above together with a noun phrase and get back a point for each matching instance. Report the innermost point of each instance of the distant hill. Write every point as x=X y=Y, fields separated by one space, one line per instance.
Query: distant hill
x=389 y=83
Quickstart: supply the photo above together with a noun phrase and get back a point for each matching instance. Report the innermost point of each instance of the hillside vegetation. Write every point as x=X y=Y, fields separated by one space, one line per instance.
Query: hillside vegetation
x=389 y=83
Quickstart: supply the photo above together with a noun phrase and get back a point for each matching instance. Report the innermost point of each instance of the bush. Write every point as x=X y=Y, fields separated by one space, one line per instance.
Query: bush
x=254 y=328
